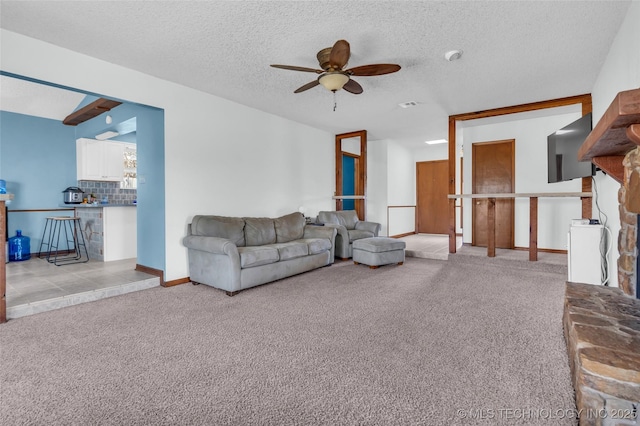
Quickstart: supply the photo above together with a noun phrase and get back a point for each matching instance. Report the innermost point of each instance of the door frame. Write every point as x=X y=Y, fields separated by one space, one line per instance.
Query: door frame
x=511 y=142
x=585 y=102
x=360 y=174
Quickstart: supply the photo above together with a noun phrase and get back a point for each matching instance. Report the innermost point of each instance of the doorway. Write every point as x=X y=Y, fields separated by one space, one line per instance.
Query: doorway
x=351 y=171
x=432 y=214
x=493 y=172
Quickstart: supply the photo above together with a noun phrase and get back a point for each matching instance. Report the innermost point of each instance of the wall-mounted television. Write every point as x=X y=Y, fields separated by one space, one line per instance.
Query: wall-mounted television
x=562 y=152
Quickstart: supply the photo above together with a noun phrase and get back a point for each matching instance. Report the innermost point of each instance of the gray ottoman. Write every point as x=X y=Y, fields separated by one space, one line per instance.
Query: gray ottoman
x=377 y=251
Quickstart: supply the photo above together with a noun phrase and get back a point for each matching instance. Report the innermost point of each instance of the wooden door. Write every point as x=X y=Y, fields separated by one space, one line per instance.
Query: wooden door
x=432 y=189
x=493 y=172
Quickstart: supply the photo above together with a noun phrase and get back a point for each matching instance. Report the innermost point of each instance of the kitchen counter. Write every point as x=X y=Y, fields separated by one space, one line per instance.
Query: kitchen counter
x=93 y=206
x=109 y=229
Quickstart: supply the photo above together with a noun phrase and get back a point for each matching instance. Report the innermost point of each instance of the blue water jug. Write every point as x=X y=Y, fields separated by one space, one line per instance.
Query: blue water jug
x=3 y=186
x=19 y=247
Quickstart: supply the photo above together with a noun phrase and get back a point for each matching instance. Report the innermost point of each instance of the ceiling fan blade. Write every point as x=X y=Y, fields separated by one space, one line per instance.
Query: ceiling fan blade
x=339 y=55
x=352 y=86
x=307 y=86
x=375 y=69
x=294 y=68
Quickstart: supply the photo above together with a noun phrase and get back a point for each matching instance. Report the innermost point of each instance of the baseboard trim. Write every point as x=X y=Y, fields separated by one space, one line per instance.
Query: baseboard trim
x=177 y=282
x=543 y=250
x=403 y=235
x=152 y=271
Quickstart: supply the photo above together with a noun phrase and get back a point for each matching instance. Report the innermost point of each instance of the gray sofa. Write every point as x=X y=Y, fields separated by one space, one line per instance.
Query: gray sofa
x=349 y=228
x=236 y=253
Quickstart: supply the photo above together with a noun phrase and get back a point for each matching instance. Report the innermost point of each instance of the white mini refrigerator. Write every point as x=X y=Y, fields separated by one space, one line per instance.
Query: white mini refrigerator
x=585 y=259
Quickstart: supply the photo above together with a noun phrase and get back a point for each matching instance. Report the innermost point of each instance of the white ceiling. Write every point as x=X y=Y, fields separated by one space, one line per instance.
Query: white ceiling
x=514 y=52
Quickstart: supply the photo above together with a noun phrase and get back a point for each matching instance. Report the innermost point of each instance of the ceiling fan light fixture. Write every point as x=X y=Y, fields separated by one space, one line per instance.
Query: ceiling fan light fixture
x=333 y=81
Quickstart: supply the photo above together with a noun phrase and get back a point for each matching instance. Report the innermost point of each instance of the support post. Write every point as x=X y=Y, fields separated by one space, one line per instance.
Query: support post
x=533 y=229
x=3 y=268
x=491 y=227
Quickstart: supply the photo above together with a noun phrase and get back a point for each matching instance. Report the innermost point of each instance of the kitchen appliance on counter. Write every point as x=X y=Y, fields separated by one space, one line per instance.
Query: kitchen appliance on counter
x=73 y=195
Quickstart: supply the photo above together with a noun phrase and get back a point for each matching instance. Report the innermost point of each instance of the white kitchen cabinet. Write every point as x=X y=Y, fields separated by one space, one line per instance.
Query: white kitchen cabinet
x=120 y=233
x=99 y=160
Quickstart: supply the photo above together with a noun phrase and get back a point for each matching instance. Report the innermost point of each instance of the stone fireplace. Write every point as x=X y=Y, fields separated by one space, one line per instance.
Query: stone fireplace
x=602 y=324
x=629 y=199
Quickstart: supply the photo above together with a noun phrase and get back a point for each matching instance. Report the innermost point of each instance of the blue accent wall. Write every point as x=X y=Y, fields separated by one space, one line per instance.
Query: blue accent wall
x=38 y=161
x=149 y=138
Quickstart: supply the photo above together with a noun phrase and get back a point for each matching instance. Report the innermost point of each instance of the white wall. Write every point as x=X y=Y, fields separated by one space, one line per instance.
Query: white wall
x=390 y=182
x=530 y=131
x=376 y=202
x=620 y=71
x=431 y=153
x=401 y=189
x=221 y=157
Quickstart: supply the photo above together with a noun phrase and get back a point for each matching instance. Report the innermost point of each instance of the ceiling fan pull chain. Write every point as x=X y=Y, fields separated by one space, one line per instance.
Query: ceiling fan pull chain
x=335 y=104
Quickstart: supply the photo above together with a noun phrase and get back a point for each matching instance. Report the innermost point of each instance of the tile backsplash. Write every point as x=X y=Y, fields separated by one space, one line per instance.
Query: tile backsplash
x=111 y=190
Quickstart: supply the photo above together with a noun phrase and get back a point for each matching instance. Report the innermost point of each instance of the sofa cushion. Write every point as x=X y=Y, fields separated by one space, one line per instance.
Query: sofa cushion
x=347 y=218
x=257 y=255
x=328 y=217
x=231 y=228
x=289 y=227
x=291 y=250
x=356 y=234
x=317 y=245
x=259 y=231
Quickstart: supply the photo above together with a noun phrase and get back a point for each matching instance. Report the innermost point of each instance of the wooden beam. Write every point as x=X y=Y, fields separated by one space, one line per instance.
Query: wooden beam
x=552 y=103
x=90 y=111
x=452 y=185
x=587 y=207
x=533 y=229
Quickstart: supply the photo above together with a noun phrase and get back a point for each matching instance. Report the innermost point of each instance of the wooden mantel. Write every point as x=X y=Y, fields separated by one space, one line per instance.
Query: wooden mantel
x=617 y=133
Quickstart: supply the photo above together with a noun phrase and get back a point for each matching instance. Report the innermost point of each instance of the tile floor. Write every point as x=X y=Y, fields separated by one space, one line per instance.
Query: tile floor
x=36 y=285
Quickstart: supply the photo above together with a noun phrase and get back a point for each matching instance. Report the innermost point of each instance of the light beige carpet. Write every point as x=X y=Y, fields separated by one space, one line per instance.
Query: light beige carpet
x=430 y=343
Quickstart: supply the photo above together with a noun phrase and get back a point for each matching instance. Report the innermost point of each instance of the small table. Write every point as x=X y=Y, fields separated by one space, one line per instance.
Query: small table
x=378 y=251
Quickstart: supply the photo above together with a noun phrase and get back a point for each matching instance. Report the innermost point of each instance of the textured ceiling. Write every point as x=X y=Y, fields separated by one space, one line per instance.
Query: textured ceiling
x=514 y=52
x=24 y=97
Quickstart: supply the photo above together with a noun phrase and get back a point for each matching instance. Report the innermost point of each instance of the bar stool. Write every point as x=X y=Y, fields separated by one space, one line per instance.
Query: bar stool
x=47 y=225
x=72 y=243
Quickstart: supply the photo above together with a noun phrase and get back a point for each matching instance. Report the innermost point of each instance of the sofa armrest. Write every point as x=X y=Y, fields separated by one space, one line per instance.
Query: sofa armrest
x=214 y=261
x=363 y=225
x=213 y=245
x=342 y=240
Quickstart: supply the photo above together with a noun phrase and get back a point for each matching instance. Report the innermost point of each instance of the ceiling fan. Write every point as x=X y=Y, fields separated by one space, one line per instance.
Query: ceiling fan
x=332 y=76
